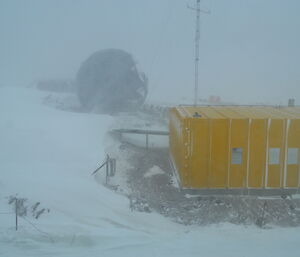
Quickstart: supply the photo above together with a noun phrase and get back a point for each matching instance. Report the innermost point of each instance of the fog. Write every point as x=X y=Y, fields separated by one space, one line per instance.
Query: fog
x=249 y=50
x=94 y=162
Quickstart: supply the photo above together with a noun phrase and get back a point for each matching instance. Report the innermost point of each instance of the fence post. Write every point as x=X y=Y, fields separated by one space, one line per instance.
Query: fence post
x=107 y=164
x=147 y=141
x=114 y=166
x=16 y=205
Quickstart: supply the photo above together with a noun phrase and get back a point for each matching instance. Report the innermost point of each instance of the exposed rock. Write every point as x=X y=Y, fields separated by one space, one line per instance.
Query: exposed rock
x=109 y=82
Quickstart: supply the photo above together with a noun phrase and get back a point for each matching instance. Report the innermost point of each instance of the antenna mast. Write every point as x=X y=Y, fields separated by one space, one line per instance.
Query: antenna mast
x=197 y=39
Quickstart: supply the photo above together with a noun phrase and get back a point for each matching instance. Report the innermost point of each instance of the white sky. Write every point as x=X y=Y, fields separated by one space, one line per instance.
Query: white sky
x=249 y=50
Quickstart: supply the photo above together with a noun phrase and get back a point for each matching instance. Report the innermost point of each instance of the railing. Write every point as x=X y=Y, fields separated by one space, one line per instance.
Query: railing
x=141 y=131
x=110 y=168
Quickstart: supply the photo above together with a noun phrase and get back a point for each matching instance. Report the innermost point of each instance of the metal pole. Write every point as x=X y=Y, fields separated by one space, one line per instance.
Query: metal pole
x=16 y=205
x=112 y=167
x=107 y=163
x=147 y=141
x=115 y=166
x=197 y=39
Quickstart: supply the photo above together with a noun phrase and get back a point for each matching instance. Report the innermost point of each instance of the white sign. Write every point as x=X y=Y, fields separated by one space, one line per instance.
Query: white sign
x=237 y=155
x=274 y=155
x=292 y=156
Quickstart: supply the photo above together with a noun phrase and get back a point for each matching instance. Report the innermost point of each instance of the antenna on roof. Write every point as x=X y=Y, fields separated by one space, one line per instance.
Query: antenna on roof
x=197 y=40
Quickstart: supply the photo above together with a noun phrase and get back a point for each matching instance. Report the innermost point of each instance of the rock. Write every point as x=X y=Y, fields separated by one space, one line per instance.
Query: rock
x=110 y=82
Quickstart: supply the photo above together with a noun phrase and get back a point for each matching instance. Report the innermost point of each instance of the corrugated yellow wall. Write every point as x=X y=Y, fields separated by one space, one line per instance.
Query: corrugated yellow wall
x=218 y=153
x=239 y=134
x=200 y=155
x=257 y=153
x=235 y=153
x=293 y=141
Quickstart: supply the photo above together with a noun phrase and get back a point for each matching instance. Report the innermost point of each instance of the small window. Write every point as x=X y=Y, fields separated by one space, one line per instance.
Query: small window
x=274 y=156
x=237 y=156
x=292 y=157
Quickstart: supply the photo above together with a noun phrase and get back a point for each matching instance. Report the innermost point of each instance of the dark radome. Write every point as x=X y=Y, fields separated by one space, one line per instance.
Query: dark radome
x=109 y=81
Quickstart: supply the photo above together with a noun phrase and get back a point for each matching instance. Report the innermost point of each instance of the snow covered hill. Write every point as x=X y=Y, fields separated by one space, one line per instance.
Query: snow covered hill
x=47 y=156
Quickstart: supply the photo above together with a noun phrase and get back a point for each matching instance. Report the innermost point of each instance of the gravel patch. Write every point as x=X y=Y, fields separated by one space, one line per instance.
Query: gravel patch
x=157 y=193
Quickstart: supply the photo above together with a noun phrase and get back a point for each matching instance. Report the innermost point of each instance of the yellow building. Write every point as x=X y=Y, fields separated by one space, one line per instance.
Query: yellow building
x=236 y=147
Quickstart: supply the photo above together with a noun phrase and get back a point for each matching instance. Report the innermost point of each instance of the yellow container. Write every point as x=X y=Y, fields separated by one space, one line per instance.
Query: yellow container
x=236 y=147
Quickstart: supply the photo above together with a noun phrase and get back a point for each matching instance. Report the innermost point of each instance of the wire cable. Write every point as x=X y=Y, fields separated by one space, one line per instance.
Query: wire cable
x=37 y=229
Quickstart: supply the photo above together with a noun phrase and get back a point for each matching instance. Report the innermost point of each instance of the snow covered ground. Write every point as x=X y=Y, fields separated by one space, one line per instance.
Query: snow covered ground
x=47 y=156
